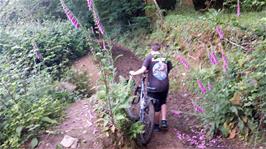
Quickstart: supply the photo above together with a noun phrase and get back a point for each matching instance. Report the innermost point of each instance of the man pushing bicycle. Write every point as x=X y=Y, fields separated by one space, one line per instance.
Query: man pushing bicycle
x=158 y=83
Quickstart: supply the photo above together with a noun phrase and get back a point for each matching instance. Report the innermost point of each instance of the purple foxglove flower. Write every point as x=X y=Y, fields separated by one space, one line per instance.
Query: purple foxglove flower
x=197 y=108
x=225 y=62
x=90 y=4
x=202 y=88
x=213 y=58
x=183 y=61
x=98 y=22
x=209 y=86
x=220 y=32
x=70 y=15
x=38 y=55
x=238 y=8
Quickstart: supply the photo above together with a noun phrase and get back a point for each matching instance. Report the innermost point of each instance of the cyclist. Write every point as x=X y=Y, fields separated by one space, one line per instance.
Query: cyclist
x=158 y=69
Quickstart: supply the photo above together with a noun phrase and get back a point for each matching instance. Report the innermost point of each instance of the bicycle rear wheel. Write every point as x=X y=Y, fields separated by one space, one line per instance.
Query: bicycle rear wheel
x=148 y=123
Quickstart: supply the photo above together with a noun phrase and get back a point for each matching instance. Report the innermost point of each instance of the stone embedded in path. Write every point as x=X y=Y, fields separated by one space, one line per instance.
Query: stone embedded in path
x=69 y=141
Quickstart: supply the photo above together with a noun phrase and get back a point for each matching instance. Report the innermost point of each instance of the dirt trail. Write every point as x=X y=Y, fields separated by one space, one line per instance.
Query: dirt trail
x=128 y=61
x=80 y=116
x=78 y=123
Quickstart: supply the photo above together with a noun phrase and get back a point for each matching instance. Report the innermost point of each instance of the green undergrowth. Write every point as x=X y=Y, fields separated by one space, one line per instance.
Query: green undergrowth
x=235 y=106
x=34 y=59
x=58 y=43
x=113 y=98
x=183 y=23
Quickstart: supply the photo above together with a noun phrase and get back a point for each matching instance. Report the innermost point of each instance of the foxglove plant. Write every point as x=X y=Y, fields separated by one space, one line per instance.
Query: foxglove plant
x=202 y=88
x=98 y=22
x=95 y=16
x=213 y=58
x=225 y=62
x=70 y=15
x=209 y=86
x=90 y=4
x=220 y=32
x=197 y=108
x=238 y=8
x=183 y=61
x=38 y=55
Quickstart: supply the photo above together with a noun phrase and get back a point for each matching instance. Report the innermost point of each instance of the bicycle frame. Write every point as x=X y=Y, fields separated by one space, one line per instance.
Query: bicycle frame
x=142 y=99
x=145 y=110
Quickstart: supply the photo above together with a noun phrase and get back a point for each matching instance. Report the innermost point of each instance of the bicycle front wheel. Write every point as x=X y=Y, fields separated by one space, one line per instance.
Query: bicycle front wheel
x=148 y=123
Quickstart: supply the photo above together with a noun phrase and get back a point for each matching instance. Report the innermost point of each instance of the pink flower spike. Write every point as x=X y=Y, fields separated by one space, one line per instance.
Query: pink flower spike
x=38 y=55
x=183 y=61
x=197 y=108
x=211 y=59
x=90 y=4
x=98 y=22
x=209 y=86
x=202 y=88
x=214 y=58
x=225 y=62
x=220 y=32
x=70 y=15
x=238 y=8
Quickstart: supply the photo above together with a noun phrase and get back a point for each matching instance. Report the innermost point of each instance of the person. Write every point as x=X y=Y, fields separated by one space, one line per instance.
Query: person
x=158 y=69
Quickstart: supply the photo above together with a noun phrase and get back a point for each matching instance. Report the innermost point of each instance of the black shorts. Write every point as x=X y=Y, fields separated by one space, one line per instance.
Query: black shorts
x=160 y=99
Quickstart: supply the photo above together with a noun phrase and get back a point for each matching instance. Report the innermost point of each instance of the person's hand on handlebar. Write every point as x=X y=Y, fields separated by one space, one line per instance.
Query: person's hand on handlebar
x=131 y=73
x=138 y=72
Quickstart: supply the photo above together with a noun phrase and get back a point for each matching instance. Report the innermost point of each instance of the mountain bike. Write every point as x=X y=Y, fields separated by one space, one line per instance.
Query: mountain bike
x=142 y=109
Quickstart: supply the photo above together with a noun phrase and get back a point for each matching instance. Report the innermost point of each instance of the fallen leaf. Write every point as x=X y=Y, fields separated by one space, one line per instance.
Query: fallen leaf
x=244 y=119
x=113 y=129
x=34 y=142
x=232 y=134
x=236 y=100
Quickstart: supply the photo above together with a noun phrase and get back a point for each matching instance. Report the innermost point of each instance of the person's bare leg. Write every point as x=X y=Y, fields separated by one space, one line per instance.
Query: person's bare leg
x=164 y=111
x=157 y=118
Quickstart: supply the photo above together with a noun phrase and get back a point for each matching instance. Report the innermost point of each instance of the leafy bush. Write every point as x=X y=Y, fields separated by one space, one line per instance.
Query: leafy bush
x=247 y=5
x=119 y=16
x=28 y=105
x=33 y=55
x=57 y=42
x=13 y=11
x=236 y=102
